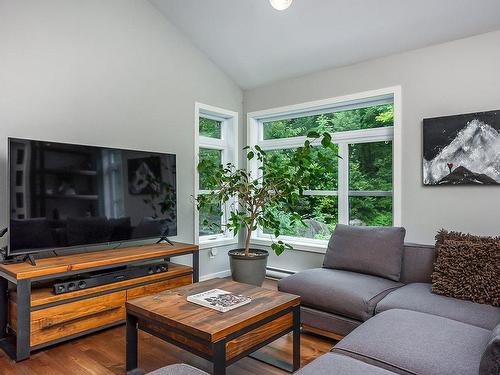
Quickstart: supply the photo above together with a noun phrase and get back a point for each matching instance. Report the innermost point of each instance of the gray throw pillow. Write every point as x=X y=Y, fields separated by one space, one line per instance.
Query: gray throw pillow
x=490 y=360
x=371 y=250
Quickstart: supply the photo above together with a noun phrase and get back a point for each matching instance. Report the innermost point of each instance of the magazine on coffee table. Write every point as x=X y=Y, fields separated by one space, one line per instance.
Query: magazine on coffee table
x=219 y=300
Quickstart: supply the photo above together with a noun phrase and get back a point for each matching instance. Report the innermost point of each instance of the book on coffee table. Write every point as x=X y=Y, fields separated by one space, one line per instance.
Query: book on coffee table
x=219 y=300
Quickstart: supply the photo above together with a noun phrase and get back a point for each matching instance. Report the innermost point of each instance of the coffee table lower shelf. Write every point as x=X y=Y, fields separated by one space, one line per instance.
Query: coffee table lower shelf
x=227 y=350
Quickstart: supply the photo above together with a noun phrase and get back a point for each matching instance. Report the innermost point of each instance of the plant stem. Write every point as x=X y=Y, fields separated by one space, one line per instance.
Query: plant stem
x=247 y=241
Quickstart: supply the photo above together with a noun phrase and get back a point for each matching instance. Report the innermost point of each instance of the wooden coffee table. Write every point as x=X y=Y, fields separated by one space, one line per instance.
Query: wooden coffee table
x=221 y=338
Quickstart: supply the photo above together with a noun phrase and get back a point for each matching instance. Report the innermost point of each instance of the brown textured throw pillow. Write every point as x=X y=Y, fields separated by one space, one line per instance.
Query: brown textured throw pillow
x=467 y=267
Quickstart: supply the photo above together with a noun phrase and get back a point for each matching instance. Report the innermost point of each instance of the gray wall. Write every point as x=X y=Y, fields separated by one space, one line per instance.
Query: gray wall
x=112 y=73
x=458 y=77
x=116 y=73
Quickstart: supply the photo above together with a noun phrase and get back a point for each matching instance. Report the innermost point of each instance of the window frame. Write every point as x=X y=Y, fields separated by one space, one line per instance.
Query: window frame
x=255 y=135
x=228 y=144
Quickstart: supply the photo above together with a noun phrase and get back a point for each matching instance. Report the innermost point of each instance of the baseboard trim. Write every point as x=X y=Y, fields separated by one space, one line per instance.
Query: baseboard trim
x=278 y=273
x=275 y=273
x=224 y=273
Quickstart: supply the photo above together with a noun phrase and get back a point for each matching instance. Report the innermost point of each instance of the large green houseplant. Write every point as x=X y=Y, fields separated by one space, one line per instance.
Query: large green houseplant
x=254 y=200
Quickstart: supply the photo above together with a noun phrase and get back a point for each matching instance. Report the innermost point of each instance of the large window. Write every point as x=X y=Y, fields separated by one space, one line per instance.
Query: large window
x=355 y=179
x=216 y=137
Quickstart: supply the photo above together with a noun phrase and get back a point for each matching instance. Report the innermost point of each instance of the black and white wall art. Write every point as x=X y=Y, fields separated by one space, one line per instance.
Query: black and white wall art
x=462 y=149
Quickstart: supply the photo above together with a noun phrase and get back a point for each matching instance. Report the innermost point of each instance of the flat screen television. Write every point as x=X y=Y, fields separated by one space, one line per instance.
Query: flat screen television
x=67 y=195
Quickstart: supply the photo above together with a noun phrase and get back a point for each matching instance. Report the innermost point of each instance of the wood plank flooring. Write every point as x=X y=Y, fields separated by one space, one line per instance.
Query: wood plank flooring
x=104 y=354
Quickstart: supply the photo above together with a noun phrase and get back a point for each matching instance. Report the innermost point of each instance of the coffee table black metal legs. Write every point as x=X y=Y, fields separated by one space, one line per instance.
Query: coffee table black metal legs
x=276 y=362
x=219 y=360
x=216 y=352
x=131 y=350
x=219 y=348
x=296 y=339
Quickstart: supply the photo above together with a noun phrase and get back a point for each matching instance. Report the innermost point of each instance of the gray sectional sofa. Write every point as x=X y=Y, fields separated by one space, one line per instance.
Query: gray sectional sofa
x=338 y=300
x=392 y=322
x=412 y=343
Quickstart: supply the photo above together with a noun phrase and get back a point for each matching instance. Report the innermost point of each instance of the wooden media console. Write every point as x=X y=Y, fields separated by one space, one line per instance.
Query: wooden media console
x=32 y=316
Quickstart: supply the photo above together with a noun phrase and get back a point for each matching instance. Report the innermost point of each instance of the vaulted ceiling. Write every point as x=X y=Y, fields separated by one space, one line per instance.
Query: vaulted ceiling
x=256 y=44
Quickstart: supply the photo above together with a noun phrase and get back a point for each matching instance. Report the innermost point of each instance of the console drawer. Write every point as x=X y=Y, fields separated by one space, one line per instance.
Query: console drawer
x=56 y=322
x=160 y=286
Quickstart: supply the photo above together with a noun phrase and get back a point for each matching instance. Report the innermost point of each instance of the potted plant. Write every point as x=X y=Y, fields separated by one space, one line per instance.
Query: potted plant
x=253 y=201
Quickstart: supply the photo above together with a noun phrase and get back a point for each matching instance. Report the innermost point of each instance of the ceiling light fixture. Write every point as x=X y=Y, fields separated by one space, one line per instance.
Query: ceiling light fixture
x=280 y=4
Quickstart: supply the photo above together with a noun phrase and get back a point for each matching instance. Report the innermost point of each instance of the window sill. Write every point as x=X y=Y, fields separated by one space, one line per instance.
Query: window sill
x=306 y=245
x=217 y=242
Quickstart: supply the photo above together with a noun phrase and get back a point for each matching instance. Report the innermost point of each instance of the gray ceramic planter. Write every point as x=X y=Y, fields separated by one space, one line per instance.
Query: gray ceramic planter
x=248 y=270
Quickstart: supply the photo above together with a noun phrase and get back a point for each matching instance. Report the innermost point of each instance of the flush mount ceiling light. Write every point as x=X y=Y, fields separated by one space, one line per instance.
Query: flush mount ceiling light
x=280 y=4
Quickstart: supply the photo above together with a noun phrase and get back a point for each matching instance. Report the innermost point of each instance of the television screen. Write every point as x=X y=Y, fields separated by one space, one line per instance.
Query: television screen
x=66 y=195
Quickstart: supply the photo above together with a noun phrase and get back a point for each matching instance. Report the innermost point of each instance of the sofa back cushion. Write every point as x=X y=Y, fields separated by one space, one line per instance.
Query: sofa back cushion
x=490 y=360
x=418 y=263
x=371 y=250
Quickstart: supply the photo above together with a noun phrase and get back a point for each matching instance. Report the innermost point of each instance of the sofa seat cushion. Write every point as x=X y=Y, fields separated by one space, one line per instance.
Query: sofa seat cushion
x=418 y=297
x=178 y=369
x=346 y=293
x=338 y=364
x=410 y=342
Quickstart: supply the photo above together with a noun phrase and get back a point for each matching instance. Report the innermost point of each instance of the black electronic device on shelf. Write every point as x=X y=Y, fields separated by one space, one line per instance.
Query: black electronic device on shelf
x=91 y=280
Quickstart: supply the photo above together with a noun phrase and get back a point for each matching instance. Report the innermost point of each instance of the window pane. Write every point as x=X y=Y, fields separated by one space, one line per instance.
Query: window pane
x=324 y=174
x=210 y=128
x=210 y=220
x=294 y=127
x=321 y=214
x=370 y=166
x=354 y=119
x=214 y=157
x=374 y=211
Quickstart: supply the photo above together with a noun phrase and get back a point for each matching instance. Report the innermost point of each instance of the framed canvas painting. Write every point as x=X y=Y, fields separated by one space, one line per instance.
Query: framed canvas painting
x=462 y=149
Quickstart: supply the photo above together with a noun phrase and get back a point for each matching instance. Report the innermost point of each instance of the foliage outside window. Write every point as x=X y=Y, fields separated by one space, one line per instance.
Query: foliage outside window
x=210 y=151
x=364 y=172
x=213 y=157
x=354 y=119
x=370 y=169
x=279 y=186
x=210 y=128
x=320 y=212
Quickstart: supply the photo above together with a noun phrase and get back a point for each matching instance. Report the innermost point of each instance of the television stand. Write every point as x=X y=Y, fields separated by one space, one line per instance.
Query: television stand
x=33 y=317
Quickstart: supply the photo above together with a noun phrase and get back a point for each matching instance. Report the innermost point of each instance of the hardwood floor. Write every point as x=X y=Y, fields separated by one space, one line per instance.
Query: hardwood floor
x=104 y=354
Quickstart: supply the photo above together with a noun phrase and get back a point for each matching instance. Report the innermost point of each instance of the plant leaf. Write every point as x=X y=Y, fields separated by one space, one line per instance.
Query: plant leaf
x=313 y=134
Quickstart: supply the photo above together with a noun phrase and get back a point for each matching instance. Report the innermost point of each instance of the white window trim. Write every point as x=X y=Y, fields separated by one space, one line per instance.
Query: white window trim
x=373 y=97
x=228 y=144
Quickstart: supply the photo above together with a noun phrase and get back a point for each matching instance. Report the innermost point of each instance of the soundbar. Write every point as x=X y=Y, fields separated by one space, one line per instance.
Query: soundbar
x=85 y=281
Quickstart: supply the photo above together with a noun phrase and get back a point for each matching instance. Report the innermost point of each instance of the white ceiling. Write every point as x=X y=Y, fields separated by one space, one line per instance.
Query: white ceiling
x=256 y=44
